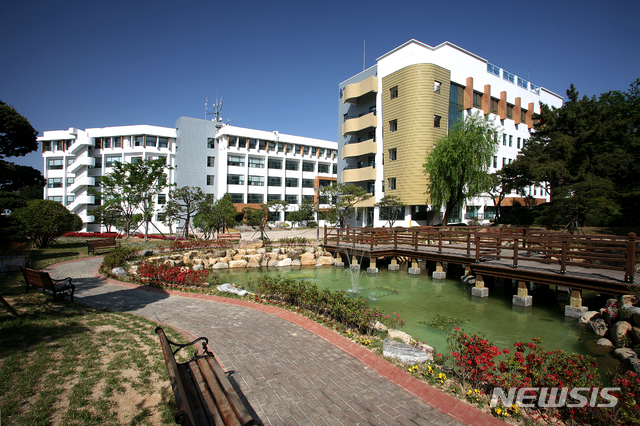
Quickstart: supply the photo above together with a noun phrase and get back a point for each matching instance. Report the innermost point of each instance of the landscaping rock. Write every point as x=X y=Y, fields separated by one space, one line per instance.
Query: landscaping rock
x=598 y=326
x=275 y=251
x=618 y=332
x=220 y=265
x=119 y=271
x=235 y=264
x=272 y=264
x=146 y=252
x=265 y=263
x=294 y=254
x=219 y=253
x=403 y=352
x=397 y=334
x=253 y=265
x=170 y=263
x=296 y=262
x=629 y=299
x=308 y=259
x=284 y=262
x=379 y=326
x=325 y=260
x=228 y=288
x=624 y=353
x=604 y=342
x=198 y=267
x=261 y=251
x=635 y=335
x=635 y=315
x=251 y=252
x=588 y=316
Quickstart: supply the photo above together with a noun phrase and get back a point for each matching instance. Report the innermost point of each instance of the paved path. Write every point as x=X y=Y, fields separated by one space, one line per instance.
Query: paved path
x=292 y=370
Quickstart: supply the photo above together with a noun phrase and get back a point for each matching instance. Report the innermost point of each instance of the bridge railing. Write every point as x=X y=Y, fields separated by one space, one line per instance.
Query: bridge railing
x=486 y=244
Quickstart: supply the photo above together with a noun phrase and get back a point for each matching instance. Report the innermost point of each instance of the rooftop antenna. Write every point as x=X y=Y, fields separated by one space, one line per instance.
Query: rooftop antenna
x=364 y=53
x=217 y=109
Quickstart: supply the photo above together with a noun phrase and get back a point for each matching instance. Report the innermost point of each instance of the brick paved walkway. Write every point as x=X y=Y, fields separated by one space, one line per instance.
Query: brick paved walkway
x=292 y=370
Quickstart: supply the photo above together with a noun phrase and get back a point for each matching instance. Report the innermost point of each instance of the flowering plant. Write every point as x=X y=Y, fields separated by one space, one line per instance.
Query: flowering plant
x=163 y=274
x=472 y=356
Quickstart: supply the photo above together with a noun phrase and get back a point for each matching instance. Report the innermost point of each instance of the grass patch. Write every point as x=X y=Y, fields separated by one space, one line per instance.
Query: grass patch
x=66 y=363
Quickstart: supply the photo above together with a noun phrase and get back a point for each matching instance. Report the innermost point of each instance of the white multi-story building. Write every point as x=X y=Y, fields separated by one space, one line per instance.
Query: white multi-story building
x=393 y=113
x=253 y=166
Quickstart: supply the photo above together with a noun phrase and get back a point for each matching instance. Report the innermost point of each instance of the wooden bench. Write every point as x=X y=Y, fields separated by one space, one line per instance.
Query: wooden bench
x=203 y=392
x=102 y=243
x=42 y=280
x=229 y=237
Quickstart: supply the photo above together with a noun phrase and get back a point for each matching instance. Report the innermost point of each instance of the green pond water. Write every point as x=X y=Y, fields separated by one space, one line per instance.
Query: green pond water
x=418 y=298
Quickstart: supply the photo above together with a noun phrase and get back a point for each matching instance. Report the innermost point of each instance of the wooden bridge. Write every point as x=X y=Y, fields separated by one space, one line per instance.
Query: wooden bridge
x=601 y=263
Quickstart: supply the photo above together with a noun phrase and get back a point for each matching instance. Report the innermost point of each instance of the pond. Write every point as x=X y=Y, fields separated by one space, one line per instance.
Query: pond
x=418 y=299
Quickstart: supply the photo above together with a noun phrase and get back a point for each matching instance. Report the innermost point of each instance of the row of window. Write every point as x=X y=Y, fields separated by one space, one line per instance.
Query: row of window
x=275 y=163
x=507 y=140
x=109 y=161
x=238 y=198
x=271 y=181
x=287 y=148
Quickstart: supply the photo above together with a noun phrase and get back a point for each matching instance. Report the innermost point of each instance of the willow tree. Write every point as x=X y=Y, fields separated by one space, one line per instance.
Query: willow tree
x=458 y=165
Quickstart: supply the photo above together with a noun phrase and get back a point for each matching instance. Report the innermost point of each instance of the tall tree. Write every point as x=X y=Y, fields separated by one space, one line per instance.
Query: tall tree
x=184 y=203
x=458 y=164
x=342 y=199
x=17 y=136
x=131 y=187
x=587 y=154
x=216 y=216
x=44 y=220
x=391 y=207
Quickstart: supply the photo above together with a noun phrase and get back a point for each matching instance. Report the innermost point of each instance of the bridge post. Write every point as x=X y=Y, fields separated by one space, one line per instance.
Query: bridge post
x=414 y=270
x=468 y=277
x=631 y=258
x=354 y=263
x=372 y=269
x=325 y=233
x=522 y=298
x=575 y=309
x=479 y=290
x=439 y=273
x=394 y=265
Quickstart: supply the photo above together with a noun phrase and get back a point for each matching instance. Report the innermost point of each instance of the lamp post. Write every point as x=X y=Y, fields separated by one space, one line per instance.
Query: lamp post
x=317 y=191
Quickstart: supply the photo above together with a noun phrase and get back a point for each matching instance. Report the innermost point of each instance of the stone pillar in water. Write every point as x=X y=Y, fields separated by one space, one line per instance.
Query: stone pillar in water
x=575 y=309
x=394 y=265
x=468 y=277
x=414 y=270
x=439 y=273
x=479 y=290
x=522 y=298
x=372 y=269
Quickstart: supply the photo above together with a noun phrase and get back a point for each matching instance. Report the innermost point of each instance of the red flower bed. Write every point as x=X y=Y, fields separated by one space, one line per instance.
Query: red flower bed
x=163 y=274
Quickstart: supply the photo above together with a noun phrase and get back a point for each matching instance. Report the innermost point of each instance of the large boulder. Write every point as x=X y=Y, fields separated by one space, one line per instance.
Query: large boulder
x=272 y=264
x=229 y=288
x=635 y=333
x=326 y=260
x=237 y=264
x=294 y=254
x=308 y=259
x=284 y=262
x=397 y=334
x=404 y=352
x=253 y=265
x=588 y=316
x=619 y=332
x=220 y=265
x=296 y=262
x=598 y=326
x=198 y=267
x=605 y=342
x=119 y=271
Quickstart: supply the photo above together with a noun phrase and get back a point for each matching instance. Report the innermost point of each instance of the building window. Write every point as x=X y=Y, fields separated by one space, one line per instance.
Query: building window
x=393 y=125
x=242 y=142
x=494 y=105
x=162 y=198
x=495 y=161
x=477 y=100
x=335 y=169
x=210 y=179
x=292 y=165
x=46 y=146
x=307 y=183
x=211 y=143
x=392 y=183
x=235 y=160
x=272 y=146
x=211 y=161
x=291 y=199
x=111 y=161
x=134 y=160
x=305 y=150
x=233 y=141
x=252 y=143
x=320 y=152
x=55 y=164
x=314 y=151
x=150 y=141
x=235 y=179
x=163 y=142
x=57 y=199
x=510 y=111
x=237 y=198
x=308 y=166
x=70 y=181
x=54 y=183
x=519 y=143
x=262 y=145
x=393 y=92
x=298 y=149
x=274 y=163
x=289 y=149
x=70 y=199
x=436 y=86
x=138 y=140
x=504 y=161
x=256 y=162
x=280 y=146
x=523 y=116
x=504 y=140
x=98 y=162
x=274 y=197
x=117 y=142
x=97 y=144
x=510 y=140
x=323 y=168
x=436 y=121
x=274 y=181
x=107 y=143
x=393 y=154
x=291 y=182
x=256 y=181
x=255 y=198
x=274 y=217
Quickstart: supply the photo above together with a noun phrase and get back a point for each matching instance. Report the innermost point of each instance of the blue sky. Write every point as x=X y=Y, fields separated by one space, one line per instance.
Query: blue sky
x=277 y=65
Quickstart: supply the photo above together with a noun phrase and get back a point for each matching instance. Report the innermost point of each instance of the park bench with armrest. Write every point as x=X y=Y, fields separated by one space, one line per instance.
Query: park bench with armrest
x=102 y=243
x=229 y=237
x=203 y=392
x=42 y=280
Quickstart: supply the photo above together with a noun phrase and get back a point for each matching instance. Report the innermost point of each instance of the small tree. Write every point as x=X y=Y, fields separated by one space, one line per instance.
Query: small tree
x=391 y=206
x=343 y=198
x=458 y=165
x=44 y=220
x=106 y=215
x=257 y=218
x=184 y=204
x=277 y=206
x=215 y=216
